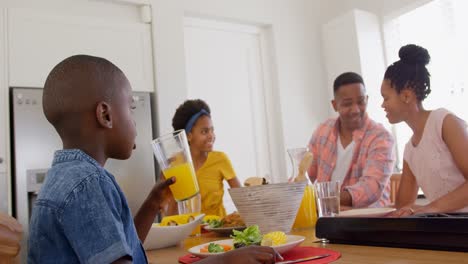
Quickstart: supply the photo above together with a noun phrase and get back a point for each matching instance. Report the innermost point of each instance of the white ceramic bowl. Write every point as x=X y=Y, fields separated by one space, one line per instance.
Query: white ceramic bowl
x=166 y=236
x=273 y=207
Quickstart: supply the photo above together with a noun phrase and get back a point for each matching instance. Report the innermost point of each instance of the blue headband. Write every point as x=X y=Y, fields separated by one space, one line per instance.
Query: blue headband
x=193 y=119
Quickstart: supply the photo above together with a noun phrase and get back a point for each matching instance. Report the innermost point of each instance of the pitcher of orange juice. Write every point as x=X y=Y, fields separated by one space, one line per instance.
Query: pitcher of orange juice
x=173 y=155
x=301 y=160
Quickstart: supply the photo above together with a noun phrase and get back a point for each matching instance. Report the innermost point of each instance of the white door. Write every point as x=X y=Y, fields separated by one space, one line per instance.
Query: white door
x=223 y=68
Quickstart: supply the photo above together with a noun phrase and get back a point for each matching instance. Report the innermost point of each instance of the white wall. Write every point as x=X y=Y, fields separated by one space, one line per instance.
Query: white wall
x=299 y=73
x=91 y=8
x=296 y=51
x=12 y=48
x=381 y=8
x=296 y=26
x=362 y=52
x=369 y=32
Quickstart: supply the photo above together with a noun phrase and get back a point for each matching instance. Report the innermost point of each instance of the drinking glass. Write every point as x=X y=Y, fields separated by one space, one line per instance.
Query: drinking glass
x=328 y=198
x=173 y=155
x=191 y=206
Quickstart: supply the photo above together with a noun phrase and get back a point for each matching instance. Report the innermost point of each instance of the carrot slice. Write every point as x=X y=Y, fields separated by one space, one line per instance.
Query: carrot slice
x=226 y=247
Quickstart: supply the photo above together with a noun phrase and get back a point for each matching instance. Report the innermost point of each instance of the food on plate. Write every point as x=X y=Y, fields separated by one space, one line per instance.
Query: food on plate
x=215 y=223
x=210 y=218
x=230 y=220
x=215 y=248
x=175 y=220
x=250 y=236
x=274 y=239
x=233 y=219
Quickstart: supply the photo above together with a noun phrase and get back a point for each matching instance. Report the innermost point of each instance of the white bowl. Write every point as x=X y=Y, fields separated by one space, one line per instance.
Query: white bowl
x=273 y=207
x=291 y=242
x=166 y=236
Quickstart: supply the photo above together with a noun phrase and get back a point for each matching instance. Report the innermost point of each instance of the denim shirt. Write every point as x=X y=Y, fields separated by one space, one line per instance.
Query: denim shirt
x=81 y=215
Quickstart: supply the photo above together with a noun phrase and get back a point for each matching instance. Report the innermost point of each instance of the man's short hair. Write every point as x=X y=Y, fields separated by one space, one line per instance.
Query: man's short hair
x=346 y=78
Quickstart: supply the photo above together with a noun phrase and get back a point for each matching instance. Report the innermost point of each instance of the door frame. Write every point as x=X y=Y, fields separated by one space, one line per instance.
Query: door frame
x=275 y=165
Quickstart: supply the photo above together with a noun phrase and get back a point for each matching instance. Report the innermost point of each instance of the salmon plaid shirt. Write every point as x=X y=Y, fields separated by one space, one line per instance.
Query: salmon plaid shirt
x=367 y=180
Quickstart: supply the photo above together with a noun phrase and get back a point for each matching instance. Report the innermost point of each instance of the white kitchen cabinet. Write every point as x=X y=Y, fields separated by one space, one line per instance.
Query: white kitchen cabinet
x=38 y=40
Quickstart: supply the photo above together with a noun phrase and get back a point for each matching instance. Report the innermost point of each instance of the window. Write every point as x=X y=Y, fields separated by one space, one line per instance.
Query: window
x=441 y=26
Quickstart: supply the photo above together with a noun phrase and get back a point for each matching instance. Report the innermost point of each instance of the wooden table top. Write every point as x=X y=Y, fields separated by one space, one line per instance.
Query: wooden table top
x=349 y=253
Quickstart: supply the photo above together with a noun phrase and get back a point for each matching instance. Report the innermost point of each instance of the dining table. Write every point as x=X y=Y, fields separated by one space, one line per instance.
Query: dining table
x=349 y=253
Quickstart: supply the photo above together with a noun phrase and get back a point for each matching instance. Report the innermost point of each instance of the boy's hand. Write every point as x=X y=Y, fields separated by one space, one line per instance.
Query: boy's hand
x=161 y=193
x=251 y=254
x=150 y=207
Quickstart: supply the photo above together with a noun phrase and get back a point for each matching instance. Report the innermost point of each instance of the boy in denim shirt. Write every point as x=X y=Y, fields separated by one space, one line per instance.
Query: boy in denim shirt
x=81 y=214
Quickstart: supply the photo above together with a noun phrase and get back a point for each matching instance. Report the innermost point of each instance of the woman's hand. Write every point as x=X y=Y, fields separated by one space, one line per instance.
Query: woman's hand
x=404 y=211
x=413 y=210
x=427 y=209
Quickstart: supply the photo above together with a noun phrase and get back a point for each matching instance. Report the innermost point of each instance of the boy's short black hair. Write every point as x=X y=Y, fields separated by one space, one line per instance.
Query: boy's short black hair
x=186 y=110
x=75 y=85
x=346 y=78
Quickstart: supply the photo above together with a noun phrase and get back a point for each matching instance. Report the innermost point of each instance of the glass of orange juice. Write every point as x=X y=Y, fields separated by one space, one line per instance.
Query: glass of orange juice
x=173 y=154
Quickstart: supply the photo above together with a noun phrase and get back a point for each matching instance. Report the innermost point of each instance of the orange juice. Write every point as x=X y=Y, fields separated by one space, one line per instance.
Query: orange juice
x=307 y=214
x=197 y=230
x=186 y=185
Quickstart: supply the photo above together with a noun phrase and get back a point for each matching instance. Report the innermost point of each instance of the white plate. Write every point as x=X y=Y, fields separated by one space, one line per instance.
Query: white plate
x=224 y=230
x=291 y=242
x=366 y=212
x=166 y=236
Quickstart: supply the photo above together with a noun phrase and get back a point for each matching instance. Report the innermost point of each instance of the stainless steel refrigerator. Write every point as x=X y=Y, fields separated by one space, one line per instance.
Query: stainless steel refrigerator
x=35 y=140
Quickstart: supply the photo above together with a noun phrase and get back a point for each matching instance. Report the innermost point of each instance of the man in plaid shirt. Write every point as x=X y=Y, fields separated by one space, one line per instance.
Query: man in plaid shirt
x=353 y=148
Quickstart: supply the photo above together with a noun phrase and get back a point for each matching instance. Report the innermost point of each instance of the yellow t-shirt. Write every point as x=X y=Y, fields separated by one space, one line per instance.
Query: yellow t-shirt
x=211 y=175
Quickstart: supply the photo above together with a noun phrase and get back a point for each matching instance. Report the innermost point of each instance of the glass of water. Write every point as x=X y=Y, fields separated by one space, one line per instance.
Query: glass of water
x=328 y=198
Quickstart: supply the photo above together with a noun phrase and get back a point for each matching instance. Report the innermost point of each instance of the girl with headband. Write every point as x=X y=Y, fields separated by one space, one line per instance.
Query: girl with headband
x=211 y=167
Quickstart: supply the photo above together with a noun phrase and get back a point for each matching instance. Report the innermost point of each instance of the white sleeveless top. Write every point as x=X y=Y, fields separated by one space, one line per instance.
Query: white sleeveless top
x=431 y=161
